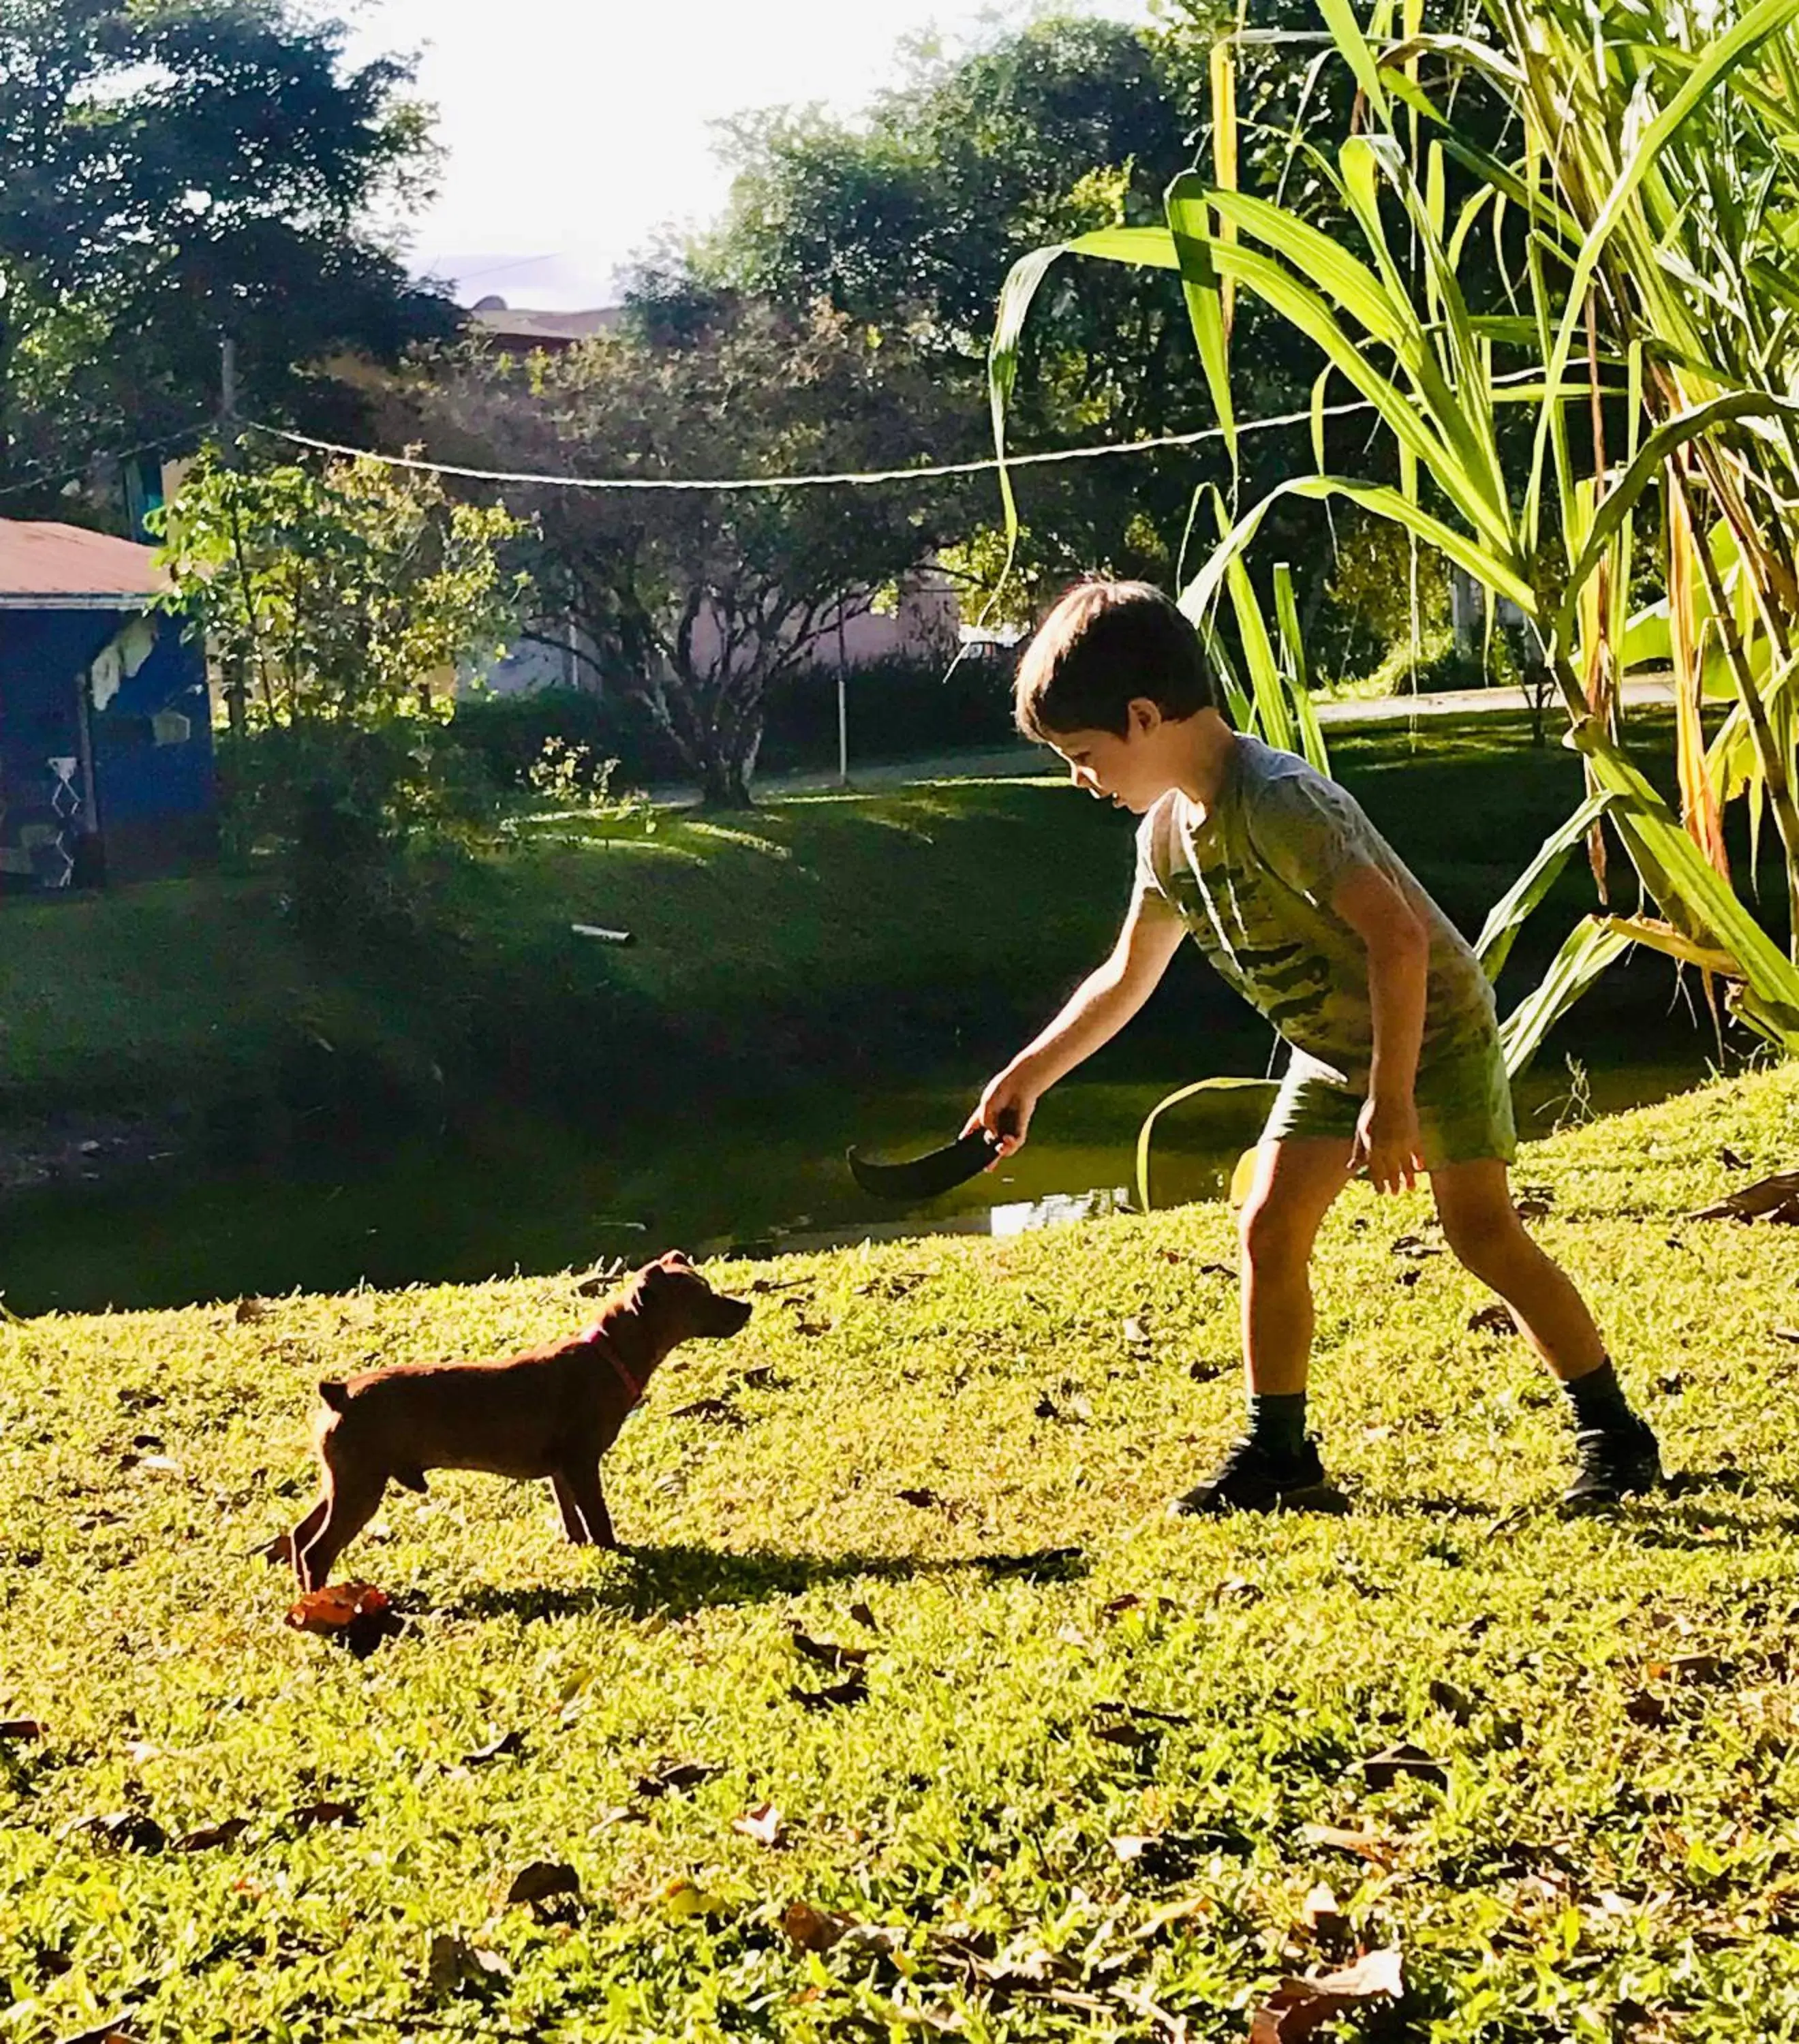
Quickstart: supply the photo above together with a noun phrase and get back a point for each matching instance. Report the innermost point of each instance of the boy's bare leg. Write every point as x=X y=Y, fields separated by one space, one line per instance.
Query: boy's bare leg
x=1296 y=1182
x=1480 y=1224
x=1276 y=1463
x=1617 y=1451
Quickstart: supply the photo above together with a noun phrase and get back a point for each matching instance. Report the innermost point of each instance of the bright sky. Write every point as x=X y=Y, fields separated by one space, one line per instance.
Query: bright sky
x=575 y=128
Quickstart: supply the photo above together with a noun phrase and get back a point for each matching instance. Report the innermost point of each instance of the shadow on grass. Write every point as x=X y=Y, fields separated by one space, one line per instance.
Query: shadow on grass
x=674 y=1581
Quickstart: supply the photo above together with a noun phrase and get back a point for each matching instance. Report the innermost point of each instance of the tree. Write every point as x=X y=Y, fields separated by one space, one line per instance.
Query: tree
x=348 y=598
x=908 y=223
x=702 y=601
x=912 y=220
x=177 y=172
x=346 y=594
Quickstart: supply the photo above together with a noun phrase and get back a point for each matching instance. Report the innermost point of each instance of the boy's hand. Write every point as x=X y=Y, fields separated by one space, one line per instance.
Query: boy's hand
x=1387 y=1140
x=1004 y=1111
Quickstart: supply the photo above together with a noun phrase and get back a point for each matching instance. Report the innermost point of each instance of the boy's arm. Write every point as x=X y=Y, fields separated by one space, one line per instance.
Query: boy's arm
x=1386 y=1135
x=1092 y=1014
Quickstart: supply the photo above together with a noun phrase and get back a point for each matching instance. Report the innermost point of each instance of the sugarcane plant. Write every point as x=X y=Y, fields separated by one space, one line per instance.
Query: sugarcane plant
x=1655 y=179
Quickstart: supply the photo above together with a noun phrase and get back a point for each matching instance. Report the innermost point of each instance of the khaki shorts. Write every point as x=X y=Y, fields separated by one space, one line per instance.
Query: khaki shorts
x=1464 y=1107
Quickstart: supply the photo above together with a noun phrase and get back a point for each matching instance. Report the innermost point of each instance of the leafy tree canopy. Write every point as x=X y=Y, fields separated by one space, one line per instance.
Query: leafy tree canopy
x=179 y=170
x=699 y=602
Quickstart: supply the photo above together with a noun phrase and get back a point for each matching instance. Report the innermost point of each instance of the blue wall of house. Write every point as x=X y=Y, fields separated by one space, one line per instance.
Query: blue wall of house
x=145 y=776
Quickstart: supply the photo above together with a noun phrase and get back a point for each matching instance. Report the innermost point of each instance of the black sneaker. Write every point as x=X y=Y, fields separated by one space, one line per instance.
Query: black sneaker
x=1251 y=1478
x=1615 y=1462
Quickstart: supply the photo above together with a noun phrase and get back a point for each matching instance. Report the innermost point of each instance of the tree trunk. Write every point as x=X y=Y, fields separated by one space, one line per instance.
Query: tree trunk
x=723 y=784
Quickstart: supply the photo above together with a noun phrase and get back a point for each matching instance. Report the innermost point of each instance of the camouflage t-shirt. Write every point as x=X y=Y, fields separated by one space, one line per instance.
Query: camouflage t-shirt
x=1252 y=879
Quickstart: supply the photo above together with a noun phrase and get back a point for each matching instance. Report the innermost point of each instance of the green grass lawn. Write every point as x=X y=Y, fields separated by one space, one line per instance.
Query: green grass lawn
x=1102 y=1760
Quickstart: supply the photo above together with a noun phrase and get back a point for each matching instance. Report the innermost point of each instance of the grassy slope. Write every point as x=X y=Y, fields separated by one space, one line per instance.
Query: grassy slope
x=1612 y=1856
x=901 y=914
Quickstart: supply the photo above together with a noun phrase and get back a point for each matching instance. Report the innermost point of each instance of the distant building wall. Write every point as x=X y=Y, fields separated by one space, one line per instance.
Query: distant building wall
x=924 y=624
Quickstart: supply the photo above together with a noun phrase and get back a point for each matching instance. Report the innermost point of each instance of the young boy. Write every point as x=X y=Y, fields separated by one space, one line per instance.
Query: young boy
x=1303 y=909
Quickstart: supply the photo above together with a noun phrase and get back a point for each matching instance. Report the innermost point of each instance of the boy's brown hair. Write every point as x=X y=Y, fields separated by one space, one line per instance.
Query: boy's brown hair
x=1103 y=645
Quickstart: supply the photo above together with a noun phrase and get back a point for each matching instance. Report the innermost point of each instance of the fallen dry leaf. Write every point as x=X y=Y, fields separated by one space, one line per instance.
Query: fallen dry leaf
x=1413 y=1246
x=762 y=1822
x=1494 y=1319
x=455 y=1963
x=115 y=2030
x=211 y=1835
x=20 y=1730
x=540 y=1880
x=249 y=1310
x=1381 y=1769
x=810 y=1929
x=1731 y=1159
x=508 y=1742
x=863 y=1616
x=358 y=1615
x=1296 y=2008
x=1167 y=1855
x=1646 y=1709
x=1786 y=1334
x=759 y=1377
x=922 y=1498
x=669 y=1775
x=1775 y=1198
x=854 y=1690
x=123 y=1830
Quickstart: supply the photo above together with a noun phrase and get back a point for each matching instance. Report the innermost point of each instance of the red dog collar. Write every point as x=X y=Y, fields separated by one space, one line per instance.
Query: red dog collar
x=625 y=1378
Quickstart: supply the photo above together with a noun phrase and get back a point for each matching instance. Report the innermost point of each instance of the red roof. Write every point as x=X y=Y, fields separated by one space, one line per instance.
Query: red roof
x=63 y=562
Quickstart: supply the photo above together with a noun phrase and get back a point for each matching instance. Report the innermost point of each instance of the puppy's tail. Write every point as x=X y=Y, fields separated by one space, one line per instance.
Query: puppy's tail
x=335 y=1394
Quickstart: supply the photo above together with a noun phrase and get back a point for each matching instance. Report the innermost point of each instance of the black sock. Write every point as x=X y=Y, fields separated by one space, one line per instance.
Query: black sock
x=1599 y=1400
x=1277 y=1421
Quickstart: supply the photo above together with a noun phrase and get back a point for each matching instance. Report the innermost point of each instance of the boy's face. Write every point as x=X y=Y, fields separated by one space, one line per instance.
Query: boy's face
x=1133 y=772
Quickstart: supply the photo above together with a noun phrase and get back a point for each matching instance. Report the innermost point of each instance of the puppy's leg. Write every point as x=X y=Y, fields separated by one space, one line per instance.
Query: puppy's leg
x=573 y=1524
x=353 y=1499
x=288 y=1547
x=583 y=1482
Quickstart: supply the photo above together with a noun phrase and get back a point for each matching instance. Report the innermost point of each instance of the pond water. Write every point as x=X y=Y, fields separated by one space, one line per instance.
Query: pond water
x=532 y=1195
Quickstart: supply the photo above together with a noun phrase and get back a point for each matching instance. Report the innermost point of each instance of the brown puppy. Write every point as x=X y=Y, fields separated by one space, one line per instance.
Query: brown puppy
x=552 y=1411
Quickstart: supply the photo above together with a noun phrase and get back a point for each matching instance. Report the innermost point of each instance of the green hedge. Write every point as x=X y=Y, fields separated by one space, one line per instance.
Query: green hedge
x=898 y=708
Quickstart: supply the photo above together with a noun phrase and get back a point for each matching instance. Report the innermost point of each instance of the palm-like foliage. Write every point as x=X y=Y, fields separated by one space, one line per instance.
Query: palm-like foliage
x=1656 y=176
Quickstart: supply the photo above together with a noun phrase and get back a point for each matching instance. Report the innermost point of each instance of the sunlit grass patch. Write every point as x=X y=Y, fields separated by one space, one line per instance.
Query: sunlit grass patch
x=1101 y=1759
